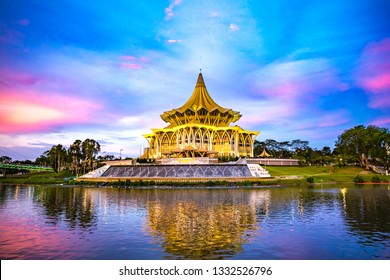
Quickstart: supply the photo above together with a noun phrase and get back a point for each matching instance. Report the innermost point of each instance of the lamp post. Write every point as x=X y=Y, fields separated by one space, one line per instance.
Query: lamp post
x=120 y=154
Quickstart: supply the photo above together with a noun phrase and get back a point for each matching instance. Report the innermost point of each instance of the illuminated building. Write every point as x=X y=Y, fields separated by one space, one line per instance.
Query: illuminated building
x=200 y=128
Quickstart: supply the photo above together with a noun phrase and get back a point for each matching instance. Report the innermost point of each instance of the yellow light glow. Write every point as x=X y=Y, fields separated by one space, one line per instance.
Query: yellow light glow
x=30 y=113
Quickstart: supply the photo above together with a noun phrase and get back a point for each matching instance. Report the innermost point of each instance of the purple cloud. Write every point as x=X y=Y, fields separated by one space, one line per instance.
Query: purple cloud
x=373 y=73
x=294 y=79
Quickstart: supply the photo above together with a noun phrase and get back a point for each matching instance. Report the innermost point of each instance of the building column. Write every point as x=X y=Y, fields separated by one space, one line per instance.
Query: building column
x=236 y=139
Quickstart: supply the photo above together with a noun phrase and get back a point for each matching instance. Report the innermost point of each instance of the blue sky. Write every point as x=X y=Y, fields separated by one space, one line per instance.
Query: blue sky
x=107 y=69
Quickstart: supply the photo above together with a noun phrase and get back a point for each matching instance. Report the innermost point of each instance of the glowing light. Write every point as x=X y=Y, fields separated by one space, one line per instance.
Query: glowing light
x=30 y=113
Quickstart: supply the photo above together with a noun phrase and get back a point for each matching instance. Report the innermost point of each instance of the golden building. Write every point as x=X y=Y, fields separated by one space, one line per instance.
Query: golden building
x=200 y=128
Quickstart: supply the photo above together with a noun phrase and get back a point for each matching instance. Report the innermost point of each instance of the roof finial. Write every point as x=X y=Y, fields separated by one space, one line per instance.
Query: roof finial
x=200 y=64
x=200 y=81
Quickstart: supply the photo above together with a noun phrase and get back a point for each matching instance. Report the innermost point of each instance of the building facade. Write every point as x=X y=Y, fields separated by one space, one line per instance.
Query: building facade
x=200 y=128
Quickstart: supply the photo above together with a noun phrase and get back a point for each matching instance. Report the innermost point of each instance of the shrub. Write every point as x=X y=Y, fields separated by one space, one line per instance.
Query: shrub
x=376 y=179
x=358 y=179
x=310 y=180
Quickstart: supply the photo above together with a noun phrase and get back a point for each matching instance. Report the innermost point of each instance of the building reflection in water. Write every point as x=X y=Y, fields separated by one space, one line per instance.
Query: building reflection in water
x=201 y=224
x=343 y=192
x=272 y=223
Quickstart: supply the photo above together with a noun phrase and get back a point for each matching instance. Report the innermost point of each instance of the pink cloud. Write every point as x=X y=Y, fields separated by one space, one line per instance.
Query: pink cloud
x=132 y=66
x=376 y=84
x=169 y=10
x=233 y=27
x=15 y=77
x=132 y=62
x=373 y=73
x=265 y=112
x=381 y=121
x=294 y=79
x=28 y=112
x=290 y=88
x=128 y=57
x=323 y=120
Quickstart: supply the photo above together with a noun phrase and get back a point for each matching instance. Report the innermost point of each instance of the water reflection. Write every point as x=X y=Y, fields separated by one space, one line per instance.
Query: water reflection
x=367 y=213
x=201 y=224
x=73 y=205
x=52 y=222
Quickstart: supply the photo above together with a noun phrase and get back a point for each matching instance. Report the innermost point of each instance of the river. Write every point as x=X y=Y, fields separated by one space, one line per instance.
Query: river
x=291 y=223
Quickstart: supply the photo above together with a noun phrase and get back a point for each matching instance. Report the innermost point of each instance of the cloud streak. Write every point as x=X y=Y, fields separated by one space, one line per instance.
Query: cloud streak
x=169 y=10
x=27 y=112
x=292 y=79
x=373 y=73
x=310 y=71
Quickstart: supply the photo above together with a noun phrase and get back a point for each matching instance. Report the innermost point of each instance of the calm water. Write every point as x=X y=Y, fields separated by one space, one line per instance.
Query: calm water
x=51 y=222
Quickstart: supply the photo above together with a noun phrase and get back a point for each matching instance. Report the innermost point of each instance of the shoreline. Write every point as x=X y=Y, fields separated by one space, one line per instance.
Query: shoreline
x=281 y=176
x=188 y=185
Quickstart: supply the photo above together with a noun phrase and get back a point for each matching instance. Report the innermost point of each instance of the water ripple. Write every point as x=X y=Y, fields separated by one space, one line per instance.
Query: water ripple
x=270 y=223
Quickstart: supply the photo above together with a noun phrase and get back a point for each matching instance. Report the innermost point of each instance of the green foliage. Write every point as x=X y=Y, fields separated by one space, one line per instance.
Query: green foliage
x=5 y=159
x=80 y=157
x=227 y=158
x=310 y=180
x=90 y=148
x=365 y=145
x=358 y=179
x=45 y=177
x=297 y=149
x=376 y=179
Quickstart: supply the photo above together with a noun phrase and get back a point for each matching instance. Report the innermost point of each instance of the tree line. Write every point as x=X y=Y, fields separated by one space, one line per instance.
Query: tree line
x=361 y=145
x=365 y=145
x=296 y=149
x=80 y=157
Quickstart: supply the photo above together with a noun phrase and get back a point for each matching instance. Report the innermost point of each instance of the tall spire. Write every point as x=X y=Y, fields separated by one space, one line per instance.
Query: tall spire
x=201 y=101
x=200 y=81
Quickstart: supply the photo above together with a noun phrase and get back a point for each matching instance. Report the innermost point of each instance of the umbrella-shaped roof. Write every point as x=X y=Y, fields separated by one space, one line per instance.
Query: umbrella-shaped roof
x=200 y=108
x=264 y=154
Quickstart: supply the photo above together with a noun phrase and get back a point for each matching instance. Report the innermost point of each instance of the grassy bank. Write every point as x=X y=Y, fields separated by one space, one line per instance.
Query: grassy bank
x=46 y=177
x=290 y=175
x=325 y=174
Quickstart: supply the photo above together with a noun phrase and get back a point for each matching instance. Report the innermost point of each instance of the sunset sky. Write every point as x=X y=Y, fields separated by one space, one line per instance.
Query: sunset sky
x=107 y=69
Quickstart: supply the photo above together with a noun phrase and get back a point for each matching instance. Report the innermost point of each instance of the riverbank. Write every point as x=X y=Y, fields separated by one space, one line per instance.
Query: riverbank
x=294 y=175
x=39 y=178
x=327 y=174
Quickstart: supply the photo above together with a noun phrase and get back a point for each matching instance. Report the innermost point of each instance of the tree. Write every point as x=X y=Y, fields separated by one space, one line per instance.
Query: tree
x=5 y=159
x=105 y=158
x=298 y=145
x=56 y=157
x=365 y=144
x=90 y=148
x=277 y=149
x=75 y=154
x=78 y=155
x=285 y=149
x=42 y=160
x=326 y=151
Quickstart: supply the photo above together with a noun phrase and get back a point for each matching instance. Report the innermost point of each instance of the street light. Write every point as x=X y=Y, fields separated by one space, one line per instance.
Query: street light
x=120 y=154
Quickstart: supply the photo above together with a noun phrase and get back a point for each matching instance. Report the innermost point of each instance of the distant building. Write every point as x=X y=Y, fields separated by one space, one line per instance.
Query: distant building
x=200 y=128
